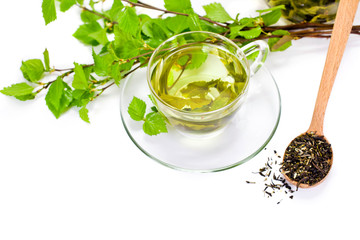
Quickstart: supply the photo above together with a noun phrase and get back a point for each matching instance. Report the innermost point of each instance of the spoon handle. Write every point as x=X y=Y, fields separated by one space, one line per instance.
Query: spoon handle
x=342 y=28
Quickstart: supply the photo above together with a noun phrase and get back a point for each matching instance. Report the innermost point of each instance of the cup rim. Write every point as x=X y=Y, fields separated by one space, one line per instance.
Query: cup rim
x=235 y=101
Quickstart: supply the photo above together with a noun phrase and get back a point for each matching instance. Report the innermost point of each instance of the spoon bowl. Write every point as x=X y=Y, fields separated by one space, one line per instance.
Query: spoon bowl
x=304 y=185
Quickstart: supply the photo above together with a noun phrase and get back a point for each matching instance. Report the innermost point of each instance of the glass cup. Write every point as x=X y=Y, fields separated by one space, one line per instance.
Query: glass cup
x=198 y=80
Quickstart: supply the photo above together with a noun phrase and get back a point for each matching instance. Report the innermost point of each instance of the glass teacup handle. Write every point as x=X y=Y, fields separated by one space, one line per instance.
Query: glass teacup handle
x=252 y=48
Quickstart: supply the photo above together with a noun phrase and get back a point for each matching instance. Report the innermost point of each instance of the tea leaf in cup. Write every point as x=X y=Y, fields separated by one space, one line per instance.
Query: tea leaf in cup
x=223 y=99
x=198 y=89
x=186 y=103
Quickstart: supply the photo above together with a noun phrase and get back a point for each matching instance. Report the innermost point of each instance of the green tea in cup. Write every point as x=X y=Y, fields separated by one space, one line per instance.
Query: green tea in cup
x=200 y=79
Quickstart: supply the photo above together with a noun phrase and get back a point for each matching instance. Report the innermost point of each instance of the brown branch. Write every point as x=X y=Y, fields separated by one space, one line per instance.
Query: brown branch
x=310 y=27
x=298 y=30
x=294 y=36
x=299 y=26
x=139 y=56
x=125 y=75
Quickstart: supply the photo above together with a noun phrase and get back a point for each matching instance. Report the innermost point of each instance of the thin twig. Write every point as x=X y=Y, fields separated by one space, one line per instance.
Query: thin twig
x=96 y=13
x=71 y=69
x=125 y=75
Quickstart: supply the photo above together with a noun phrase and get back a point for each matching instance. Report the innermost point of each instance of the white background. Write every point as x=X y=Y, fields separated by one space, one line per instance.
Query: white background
x=66 y=179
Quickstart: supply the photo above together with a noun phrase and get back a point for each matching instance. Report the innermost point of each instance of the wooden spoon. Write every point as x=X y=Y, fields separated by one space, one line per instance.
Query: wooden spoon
x=342 y=28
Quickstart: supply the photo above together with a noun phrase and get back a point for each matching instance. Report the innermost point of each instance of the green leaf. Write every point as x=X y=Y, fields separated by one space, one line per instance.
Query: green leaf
x=81 y=97
x=129 y=21
x=102 y=63
x=26 y=97
x=143 y=18
x=157 y=31
x=178 y=5
x=56 y=91
x=271 y=17
x=137 y=109
x=49 y=11
x=88 y=17
x=194 y=22
x=83 y=32
x=58 y=97
x=207 y=26
x=87 y=71
x=125 y=45
x=83 y=113
x=115 y=10
x=115 y=73
x=280 y=44
x=250 y=34
x=100 y=36
x=66 y=5
x=92 y=4
x=280 y=32
x=234 y=30
x=154 y=124
x=126 y=66
x=21 y=91
x=247 y=22
x=46 y=60
x=32 y=69
x=279 y=7
x=216 y=12
x=154 y=109
x=156 y=28
x=244 y=22
x=80 y=80
x=100 y=67
x=176 y=24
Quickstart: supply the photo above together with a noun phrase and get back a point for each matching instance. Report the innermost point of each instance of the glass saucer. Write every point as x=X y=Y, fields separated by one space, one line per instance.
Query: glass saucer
x=248 y=133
